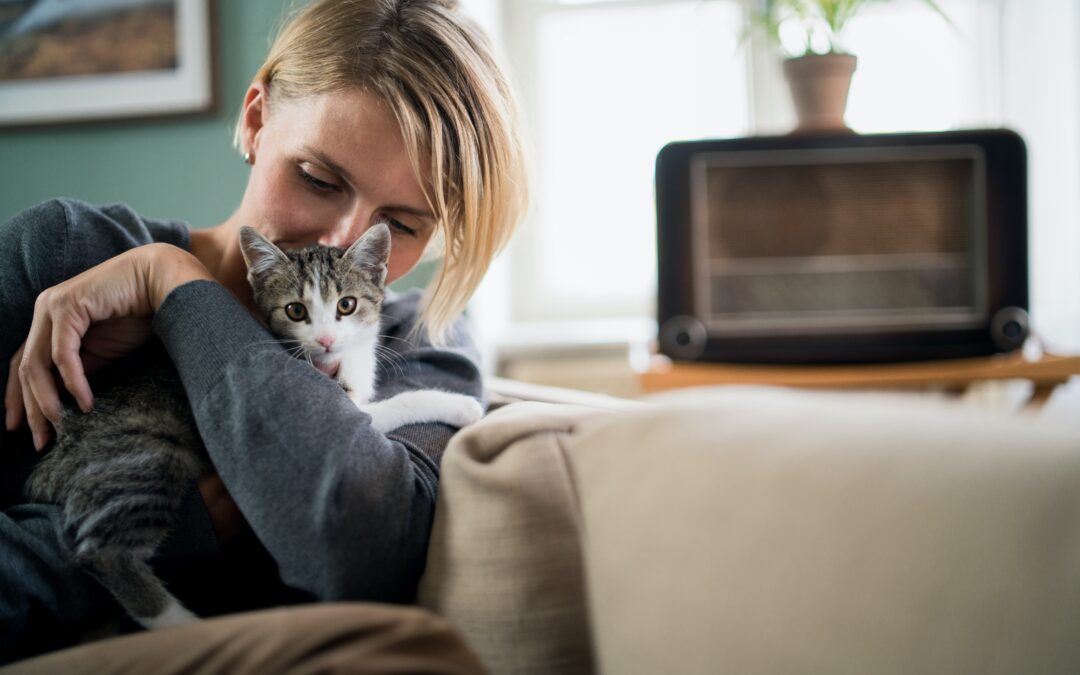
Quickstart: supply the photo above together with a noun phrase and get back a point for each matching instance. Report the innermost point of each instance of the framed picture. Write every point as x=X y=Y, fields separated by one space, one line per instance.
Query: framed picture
x=79 y=60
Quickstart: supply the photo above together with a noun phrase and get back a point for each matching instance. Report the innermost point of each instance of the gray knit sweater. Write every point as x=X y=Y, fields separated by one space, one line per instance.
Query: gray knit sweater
x=343 y=511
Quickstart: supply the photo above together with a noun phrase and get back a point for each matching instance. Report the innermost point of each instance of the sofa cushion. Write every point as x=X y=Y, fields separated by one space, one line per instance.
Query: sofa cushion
x=770 y=531
x=504 y=562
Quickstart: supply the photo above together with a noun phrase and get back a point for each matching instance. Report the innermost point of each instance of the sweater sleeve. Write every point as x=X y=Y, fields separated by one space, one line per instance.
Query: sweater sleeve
x=344 y=510
x=55 y=240
x=32 y=258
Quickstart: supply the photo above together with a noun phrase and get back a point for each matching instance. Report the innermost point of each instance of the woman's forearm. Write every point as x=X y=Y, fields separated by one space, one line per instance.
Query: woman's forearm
x=167 y=268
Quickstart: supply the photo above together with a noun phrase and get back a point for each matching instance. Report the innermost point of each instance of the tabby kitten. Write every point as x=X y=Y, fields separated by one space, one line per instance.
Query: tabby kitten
x=120 y=471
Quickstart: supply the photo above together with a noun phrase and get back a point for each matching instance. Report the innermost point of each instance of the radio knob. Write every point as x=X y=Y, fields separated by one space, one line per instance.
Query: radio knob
x=683 y=337
x=1009 y=328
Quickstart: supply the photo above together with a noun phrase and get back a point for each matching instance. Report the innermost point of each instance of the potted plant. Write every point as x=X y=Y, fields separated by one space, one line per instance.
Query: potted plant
x=819 y=80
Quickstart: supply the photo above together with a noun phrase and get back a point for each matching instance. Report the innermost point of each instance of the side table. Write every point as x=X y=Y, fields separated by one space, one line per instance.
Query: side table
x=950 y=376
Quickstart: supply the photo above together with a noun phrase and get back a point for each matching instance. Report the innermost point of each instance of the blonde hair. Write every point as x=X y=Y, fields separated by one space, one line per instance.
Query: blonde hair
x=437 y=71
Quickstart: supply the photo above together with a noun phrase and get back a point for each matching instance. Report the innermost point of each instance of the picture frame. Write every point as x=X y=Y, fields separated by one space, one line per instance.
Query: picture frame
x=65 y=61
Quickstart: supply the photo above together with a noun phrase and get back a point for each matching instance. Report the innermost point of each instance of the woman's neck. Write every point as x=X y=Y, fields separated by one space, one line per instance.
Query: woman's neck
x=218 y=249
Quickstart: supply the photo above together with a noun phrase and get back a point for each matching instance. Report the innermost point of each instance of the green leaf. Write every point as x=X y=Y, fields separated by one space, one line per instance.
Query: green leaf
x=834 y=15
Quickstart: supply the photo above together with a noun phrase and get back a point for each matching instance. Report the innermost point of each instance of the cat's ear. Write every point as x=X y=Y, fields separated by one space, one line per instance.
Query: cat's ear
x=371 y=252
x=260 y=254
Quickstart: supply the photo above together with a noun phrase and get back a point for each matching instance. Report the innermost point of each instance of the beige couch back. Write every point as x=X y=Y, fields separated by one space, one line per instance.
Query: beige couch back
x=761 y=531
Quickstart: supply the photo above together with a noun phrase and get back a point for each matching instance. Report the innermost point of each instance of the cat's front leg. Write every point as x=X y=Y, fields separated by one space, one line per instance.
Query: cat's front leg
x=175 y=614
x=425 y=405
x=356 y=375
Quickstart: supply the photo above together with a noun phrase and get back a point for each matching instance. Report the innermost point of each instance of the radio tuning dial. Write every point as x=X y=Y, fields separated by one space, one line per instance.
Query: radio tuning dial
x=1009 y=328
x=683 y=337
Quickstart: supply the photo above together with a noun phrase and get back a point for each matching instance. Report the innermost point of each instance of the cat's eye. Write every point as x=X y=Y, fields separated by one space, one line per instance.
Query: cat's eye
x=296 y=311
x=346 y=306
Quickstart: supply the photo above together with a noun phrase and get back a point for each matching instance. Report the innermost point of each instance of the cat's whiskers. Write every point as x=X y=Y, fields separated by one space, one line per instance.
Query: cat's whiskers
x=295 y=350
x=390 y=358
x=390 y=353
x=382 y=336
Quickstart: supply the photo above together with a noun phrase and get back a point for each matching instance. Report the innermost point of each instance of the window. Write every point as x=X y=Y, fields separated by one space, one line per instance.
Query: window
x=918 y=73
x=605 y=83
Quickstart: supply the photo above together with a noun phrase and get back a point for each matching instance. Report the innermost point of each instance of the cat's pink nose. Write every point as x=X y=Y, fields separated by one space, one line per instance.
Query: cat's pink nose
x=326 y=341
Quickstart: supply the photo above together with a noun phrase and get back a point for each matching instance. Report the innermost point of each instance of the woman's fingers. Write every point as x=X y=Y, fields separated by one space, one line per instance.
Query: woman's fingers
x=13 y=398
x=55 y=335
x=40 y=398
x=66 y=343
x=35 y=419
x=21 y=400
x=36 y=367
x=31 y=390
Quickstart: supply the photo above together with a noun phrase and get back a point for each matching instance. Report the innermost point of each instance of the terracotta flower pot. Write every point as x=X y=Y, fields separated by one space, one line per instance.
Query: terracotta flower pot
x=819 y=88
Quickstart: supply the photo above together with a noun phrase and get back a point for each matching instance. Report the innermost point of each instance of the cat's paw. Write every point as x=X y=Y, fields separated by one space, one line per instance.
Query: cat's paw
x=464 y=411
x=175 y=614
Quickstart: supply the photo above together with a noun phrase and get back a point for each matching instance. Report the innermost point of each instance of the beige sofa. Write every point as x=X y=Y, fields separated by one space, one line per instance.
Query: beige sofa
x=761 y=531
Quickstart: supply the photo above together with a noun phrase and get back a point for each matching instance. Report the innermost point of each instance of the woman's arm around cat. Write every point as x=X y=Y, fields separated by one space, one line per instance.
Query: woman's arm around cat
x=344 y=510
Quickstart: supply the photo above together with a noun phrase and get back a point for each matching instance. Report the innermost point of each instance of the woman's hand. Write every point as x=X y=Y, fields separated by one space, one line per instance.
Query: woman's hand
x=224 y=514
x=85 y=322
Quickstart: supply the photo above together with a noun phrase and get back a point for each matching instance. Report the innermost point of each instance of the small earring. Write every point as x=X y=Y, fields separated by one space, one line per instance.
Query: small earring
x=248 y=158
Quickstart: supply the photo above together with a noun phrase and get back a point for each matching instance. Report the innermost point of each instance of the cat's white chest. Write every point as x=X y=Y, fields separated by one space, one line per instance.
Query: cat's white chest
x=357 y=375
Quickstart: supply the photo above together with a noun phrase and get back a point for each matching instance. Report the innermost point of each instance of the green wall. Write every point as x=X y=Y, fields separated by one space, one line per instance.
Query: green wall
x=183 y=168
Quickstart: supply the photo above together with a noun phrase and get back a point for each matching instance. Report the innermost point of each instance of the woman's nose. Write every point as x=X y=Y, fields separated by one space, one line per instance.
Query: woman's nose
x=336 y=237
x=344 y=232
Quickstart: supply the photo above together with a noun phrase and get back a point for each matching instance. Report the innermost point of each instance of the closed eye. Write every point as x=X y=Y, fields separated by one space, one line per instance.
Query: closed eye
x=315 y=183
x=400 y=227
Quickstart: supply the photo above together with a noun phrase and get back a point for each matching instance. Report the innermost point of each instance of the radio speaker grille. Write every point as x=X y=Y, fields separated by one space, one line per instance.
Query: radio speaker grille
x=844 y=241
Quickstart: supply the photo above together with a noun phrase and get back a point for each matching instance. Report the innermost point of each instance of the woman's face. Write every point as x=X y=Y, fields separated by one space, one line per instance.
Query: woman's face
x=328 y=167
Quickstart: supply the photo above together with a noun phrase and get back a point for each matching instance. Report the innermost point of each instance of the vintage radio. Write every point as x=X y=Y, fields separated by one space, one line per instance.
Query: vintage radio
x=842 y=248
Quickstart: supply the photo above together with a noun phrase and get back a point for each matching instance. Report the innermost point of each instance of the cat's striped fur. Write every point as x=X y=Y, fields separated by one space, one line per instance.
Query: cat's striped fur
x=119 y=473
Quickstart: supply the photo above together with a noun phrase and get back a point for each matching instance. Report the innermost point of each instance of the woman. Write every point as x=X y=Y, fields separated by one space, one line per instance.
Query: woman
x=365 y=111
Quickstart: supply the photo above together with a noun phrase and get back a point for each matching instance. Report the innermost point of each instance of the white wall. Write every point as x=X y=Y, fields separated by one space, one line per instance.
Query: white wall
x=486 y=12
x=1040 y=61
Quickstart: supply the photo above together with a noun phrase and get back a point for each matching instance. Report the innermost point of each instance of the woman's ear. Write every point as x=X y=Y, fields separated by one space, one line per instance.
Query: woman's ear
x=254 y=117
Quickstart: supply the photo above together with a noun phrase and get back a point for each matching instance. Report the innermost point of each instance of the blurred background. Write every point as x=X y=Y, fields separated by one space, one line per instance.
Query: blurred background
x=605 y=84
